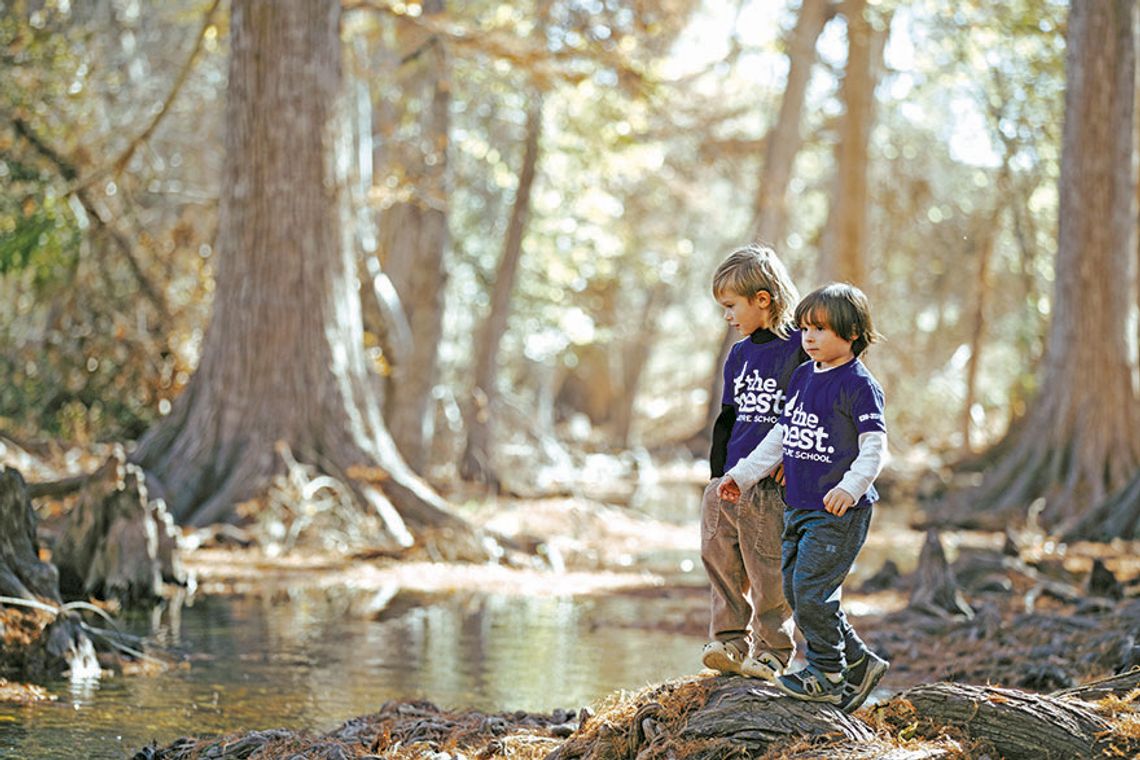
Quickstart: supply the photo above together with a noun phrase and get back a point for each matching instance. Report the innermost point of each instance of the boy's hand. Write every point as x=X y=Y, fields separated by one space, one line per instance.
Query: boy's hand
x=837 y=501
x=728 y=489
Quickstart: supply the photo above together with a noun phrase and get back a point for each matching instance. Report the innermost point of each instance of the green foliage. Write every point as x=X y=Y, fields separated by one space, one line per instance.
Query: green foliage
x=84 y=353
x=647 y=176
x=37 y=231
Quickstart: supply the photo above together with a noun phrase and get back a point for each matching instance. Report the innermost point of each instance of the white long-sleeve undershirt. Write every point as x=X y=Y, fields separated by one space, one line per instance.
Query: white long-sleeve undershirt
x=770 y=452
x=761 y=461
x=867 y=465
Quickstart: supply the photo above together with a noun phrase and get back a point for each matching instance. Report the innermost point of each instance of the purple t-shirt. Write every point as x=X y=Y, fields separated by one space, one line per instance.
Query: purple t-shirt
x=755 y=379
x=825 y=414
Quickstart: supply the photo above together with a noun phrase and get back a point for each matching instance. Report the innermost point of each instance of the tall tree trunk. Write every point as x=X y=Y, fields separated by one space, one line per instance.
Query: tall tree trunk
x=1078 y=443
x=283 y=361
x=782 y=145
x=632 y=361
x=844 y=255
x=984 y=235
x=476 y=463
x=784 y=140
x=414 y=234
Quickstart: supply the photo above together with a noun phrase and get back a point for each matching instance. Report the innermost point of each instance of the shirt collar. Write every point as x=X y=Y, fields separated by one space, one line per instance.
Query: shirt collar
x=762 y=335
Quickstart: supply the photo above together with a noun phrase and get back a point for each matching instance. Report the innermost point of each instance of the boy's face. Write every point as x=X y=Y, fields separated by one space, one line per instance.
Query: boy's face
x=824 y=346
x=747 y=315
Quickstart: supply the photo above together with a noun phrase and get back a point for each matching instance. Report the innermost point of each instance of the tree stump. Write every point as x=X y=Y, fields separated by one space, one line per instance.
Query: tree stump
x=936 y=591
x=22 y=573
x=116 y=543
x=1020 y=725
x=35 y=639
x=1102 y=582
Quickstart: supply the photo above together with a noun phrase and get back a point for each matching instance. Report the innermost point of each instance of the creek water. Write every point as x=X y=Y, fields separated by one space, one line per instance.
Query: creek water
x=306 y=661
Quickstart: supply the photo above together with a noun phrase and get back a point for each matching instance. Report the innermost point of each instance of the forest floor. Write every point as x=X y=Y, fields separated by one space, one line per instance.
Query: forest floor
x=1031 y=615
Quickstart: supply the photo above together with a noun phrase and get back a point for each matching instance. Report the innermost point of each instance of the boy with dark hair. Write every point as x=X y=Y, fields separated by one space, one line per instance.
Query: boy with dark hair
x=832 y=443
x=750 y=627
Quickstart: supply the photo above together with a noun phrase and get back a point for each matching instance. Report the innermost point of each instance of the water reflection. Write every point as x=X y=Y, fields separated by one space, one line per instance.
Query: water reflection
x=311 y=659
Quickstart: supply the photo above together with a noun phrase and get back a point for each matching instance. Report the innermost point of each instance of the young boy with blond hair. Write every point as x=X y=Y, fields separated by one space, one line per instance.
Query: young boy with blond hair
x=832 y=443
x=750 y=627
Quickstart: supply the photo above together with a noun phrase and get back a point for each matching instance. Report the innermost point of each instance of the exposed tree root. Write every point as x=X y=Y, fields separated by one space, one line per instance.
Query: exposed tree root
x=1116 y=517
x=218 y=475
x=1036 y=462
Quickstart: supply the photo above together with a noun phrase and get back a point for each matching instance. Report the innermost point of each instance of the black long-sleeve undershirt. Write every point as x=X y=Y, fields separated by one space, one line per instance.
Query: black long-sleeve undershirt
x=722 y=428
x=721 y=432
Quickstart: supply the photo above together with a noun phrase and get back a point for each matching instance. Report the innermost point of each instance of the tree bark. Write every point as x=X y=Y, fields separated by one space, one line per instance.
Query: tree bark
x=283 y=361
x=704 y=718
x=1020 y=725
x=22 y=573
x=414 y=234
x=783 y=141
x=476 y=464
x=632 y=362
x=34 y=643
x=984 y=235
x=1079 y=442
x=844 y=254
x=1094 y=691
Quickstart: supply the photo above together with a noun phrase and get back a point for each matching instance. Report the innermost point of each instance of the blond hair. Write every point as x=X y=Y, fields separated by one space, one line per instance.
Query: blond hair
x=754 y=268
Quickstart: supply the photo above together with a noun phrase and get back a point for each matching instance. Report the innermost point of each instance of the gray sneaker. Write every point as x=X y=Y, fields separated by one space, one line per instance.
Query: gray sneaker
x=812 y=685
x=862 y=677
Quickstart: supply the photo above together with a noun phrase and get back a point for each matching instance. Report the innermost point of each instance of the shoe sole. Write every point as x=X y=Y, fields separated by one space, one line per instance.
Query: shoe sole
x=875 y=672
x=721 y=662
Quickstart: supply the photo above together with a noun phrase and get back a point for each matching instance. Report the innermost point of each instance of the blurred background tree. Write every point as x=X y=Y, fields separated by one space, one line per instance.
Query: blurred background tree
x=912 y=148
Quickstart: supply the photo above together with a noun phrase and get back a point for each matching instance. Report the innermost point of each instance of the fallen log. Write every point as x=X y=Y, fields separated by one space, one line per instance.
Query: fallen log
x=695 y=718
x=757 y=716
x=1118 y=686
x=398 y=729
x=1019 y=725
x=699 y=718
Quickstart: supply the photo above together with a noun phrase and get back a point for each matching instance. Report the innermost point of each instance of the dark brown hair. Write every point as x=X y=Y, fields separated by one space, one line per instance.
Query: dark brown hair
x=844 y=310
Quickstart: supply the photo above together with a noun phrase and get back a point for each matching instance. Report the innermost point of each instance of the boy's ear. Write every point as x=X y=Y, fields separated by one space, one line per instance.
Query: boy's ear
x=762 y=299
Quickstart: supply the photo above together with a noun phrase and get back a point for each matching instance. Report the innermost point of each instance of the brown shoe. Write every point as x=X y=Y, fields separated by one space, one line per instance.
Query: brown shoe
x=722 y=656
x=764 y=665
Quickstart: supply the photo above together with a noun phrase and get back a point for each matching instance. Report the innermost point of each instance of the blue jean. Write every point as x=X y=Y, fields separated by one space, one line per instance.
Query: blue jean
x=817 y=552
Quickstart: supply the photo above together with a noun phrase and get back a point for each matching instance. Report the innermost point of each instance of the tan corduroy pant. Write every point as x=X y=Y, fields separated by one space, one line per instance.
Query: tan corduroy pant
x=740 y=548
